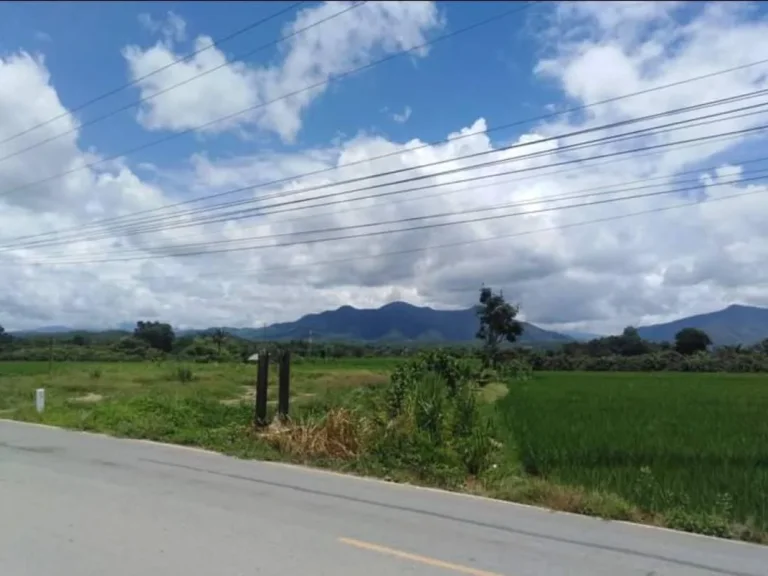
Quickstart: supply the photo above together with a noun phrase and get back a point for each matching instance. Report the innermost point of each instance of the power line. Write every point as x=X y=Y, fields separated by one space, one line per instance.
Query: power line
x=389 y=202
x=339 y=76
x=663 y=179
x=149 y=225
x=485 y=177
x=259 y=210
x=395 y=231
x=587 y=193
x=117 y=219
x=474 y=241
x=135 y=81
x=144 y=99
x=462 y=243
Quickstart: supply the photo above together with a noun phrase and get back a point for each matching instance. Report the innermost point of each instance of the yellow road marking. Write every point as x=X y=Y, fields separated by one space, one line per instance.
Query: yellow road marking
x=416 y=558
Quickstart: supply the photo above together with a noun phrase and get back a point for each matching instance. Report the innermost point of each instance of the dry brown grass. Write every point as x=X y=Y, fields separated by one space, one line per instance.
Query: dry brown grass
x=339 y=435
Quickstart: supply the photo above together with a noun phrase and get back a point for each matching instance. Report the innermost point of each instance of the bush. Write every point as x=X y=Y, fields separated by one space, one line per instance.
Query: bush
x=183 y=374
x=425 y=423
x=433 y=422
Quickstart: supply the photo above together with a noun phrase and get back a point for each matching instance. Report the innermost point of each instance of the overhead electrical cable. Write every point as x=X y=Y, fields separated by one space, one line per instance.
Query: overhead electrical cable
x=692 y=184
x=149 y=225
x=114 y=219
x=358 y=236
x=167 y=89
x=348 y=73
x=457 y=244
x=184 y=58
x=472 y=179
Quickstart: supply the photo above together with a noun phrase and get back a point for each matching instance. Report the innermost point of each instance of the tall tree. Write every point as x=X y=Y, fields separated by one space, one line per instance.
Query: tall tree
x=158 y=335
x=218 y=337
x=497 y=323
x=691 y=340
x=5 y=338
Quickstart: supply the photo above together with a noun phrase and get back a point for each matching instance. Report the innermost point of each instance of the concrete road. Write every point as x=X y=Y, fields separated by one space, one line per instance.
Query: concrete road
x=74 y=504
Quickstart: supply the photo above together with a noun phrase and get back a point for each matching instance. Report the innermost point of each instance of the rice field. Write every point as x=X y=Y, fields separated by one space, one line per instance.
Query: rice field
x=667 y=442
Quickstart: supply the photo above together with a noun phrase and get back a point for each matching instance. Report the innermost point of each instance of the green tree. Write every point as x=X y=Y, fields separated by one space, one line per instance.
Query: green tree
x=691 y=340
x=497 y=323
x=158 y=335
x=631 y=344
x=218 y=337
x=5 y=338
x=79 y=340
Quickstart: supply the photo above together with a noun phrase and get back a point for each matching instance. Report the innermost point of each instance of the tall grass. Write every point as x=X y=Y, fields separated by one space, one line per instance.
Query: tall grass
x=670 y=443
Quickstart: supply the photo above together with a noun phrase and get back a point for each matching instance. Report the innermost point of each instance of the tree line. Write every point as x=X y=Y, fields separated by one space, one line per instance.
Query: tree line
x=497 y=344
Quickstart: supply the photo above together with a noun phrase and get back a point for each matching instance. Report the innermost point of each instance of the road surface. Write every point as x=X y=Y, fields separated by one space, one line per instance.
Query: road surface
x=74 y=504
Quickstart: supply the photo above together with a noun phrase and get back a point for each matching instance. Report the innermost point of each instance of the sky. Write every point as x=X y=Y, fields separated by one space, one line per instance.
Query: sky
x=335 y=130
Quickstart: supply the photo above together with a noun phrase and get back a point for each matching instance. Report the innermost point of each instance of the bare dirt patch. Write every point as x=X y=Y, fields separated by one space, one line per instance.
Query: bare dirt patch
x=89 y=398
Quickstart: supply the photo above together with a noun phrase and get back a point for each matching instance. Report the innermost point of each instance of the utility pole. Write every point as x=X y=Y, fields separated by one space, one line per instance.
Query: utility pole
x=309 y=351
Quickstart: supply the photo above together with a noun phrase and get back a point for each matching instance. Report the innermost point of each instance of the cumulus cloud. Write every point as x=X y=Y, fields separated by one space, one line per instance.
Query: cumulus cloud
x=306 y=61
x=598 y=277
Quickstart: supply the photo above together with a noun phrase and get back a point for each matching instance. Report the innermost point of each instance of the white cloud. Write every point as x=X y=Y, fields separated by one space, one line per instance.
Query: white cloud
x=402 y=117
x=598 y=277
x=308 y=58
x=173 y=29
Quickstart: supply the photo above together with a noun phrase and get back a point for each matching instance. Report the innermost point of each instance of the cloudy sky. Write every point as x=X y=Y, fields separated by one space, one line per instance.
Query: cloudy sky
x=239 y=185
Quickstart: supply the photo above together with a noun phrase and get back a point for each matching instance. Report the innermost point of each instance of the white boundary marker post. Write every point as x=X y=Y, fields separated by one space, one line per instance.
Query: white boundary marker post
x=40 y=399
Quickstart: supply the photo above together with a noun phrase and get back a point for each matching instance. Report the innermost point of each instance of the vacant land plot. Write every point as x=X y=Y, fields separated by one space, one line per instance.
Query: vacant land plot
x=667 y=442
x=152 y=400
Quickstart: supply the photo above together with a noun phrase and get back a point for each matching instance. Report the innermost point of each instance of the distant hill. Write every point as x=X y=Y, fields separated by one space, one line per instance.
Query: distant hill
x=733 y=325
x=395 y=322
x=403 y=322
x=43 y=330
x=581 y=336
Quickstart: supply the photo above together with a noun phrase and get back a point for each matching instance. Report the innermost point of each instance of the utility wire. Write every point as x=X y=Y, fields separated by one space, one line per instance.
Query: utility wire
x=117 y=219
x=151 y=144
x=458 y=244
x=135 y=81
x=280 y=195
x=389 y=202
x=471 y=179
x=154 y=95
x=300 y=204
x=443 y=193
x=371 y=234
x=694 y=184
x=149 y=225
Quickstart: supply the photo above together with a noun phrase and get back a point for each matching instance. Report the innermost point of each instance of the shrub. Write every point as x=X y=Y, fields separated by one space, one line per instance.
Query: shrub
x=183 y=374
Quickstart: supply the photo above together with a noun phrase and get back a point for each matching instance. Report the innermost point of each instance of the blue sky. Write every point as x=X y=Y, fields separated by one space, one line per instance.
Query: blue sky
x=85 y=59
x=55 y=56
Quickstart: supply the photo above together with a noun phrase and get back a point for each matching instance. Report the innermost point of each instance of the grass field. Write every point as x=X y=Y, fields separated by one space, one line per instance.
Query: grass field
x=667 y=442
x=688 y=449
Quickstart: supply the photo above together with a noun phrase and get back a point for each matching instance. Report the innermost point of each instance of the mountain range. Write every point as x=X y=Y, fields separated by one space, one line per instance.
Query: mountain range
x=403 y=322
x=394 y=322
x=733 y=325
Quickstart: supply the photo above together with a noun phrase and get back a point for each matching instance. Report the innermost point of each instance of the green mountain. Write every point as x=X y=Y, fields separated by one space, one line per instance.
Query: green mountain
x=395 y=322
x=733 y=325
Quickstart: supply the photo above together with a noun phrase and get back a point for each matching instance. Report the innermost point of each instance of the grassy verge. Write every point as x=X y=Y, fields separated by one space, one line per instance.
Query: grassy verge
x=683 y=451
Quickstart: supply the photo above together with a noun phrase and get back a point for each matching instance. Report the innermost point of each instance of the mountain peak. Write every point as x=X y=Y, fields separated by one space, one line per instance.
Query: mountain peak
x=397 y=321
x=735 y=324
